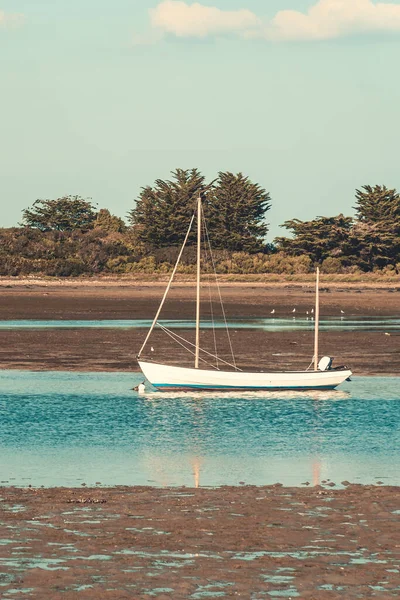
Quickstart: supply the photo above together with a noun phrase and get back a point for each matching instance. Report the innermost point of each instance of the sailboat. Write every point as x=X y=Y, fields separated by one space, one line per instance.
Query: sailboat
x=165 y=377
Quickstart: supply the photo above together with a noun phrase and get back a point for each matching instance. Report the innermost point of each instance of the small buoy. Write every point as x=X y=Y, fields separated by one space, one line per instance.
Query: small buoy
x=141 y=388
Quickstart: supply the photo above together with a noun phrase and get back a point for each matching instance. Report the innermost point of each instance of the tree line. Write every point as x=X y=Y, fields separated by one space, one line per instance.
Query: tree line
x=70 y=236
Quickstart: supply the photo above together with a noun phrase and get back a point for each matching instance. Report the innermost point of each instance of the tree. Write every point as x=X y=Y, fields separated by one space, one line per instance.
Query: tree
x=236 y=208
x=108 y=222
x=163 y=212
x=320 y=238
x=378 y=204
x=377 y=228
x=64 y=214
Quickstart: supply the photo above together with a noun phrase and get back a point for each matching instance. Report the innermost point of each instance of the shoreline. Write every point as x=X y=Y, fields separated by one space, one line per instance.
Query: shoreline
x=272 y=280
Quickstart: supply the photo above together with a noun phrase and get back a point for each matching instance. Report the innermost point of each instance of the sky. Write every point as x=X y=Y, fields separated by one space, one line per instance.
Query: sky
x=100 y=98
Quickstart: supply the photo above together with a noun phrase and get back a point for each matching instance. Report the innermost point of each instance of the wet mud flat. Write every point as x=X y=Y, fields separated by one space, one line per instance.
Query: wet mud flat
x=85 y=299
x=366 y=353
x=250 y=542
x=115 y=350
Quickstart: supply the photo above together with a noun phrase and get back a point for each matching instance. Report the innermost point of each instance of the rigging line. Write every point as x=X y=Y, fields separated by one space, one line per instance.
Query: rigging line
x=194 y=345
x=311 y=364
x=211 y=304
x=220 y=296
x=168 y=288
x=173 y=335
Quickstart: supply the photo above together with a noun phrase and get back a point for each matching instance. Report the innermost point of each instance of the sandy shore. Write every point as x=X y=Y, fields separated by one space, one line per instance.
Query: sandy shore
x=106 y=349
x=243 y=542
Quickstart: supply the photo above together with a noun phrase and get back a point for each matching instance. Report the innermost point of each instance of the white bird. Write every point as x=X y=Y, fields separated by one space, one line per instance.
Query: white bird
x=312 y=311
x=342 y=311
x=306 y=312
x=294 y=310
x=152 y=349
x=273 y=311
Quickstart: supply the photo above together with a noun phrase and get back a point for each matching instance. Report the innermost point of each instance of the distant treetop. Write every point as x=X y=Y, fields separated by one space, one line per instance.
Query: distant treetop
x=234 y=208
x=64 y=214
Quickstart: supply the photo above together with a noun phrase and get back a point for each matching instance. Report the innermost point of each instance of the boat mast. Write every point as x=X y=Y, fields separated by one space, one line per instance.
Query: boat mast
x=199 y=214
x=168 y=287
x=316 y=349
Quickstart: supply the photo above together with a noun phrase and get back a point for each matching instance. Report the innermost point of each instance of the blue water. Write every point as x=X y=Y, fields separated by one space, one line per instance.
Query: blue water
x=268 y=324
x=73 y=428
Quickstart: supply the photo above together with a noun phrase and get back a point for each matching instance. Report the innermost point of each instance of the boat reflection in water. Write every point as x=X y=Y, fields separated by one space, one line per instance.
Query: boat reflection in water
x=209 y=456
x=256 y=395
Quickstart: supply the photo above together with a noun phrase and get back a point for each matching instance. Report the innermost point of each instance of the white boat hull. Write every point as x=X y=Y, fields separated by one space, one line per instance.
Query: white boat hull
x=164 y=377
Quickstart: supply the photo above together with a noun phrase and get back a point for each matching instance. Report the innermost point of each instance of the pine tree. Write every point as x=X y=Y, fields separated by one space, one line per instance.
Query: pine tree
x=236 y=209
x=320 y=238
x=377 y=228
x=163 y=212
x=378 y=204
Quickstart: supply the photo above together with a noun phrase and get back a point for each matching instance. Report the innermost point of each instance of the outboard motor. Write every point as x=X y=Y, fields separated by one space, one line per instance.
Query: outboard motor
x=325 y=363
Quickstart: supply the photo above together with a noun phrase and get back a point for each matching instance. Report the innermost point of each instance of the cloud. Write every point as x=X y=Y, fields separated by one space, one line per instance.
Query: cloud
x=327 y=19
x=196 y=20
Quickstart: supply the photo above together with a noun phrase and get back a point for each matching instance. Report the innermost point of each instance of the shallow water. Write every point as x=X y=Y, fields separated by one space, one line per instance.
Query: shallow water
x=69 y=428
x=351 y=323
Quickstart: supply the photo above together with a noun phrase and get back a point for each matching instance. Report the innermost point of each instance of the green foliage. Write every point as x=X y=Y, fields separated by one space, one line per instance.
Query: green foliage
x=319 y=239
x=108 y=222
x=377 y=205
x=64 y=214
x=332 y=265
x=370 y=241
x=24 y=251
x=66 y=237
x=377 y=230
x=236 y=209
x=163 y=212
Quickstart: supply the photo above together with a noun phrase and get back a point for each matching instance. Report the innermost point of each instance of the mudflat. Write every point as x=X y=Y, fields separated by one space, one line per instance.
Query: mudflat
x=138 y=542
x=116 y=349
x=85 y=299
x=310 y=542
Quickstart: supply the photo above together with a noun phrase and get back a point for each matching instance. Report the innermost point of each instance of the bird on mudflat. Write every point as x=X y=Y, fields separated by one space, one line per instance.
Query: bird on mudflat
x=273 y=311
